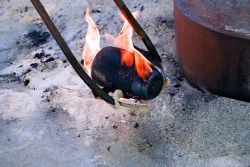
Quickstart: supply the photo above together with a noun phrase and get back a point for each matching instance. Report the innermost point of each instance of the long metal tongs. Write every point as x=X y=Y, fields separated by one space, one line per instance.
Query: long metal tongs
x=154 y=57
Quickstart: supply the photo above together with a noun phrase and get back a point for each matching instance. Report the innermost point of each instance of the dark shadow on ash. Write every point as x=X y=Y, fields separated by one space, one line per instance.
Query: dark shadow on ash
x=35 y=37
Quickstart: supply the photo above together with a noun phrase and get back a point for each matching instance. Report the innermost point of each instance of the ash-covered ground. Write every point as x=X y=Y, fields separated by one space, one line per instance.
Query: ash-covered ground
x=49 y=117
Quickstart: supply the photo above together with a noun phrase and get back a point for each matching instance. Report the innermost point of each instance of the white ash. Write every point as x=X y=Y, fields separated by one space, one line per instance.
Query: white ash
x=49 y=117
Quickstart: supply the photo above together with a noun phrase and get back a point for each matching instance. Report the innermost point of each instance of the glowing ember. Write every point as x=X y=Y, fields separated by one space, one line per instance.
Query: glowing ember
x=92 y=42
x=123 y=41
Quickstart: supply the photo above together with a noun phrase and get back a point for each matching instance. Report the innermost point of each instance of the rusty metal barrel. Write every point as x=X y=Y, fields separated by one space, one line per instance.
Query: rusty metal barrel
x=213 y=45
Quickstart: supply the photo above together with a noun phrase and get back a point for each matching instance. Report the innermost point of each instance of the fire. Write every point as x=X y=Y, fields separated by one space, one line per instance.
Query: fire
x=123 y=41
x=92 y=42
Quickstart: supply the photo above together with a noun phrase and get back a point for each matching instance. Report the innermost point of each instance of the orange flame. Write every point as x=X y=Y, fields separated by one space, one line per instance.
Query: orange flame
x=92 y=42
x=123 y=40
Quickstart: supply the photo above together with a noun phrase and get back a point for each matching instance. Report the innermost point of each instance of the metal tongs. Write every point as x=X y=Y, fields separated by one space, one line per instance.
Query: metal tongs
x=116 y=100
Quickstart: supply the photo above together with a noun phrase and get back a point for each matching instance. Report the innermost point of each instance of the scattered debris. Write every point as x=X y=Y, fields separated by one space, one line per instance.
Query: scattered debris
x=26 y=82
x=34 y=65
x=47 y=90
x=136 y=125
x=26 y=72
x=172 y=93
x=169 y=23
x=47 y=55
x=49 y=60
x=39 y=55
x=26 y=9
x=177 y=85
x=180 y=78
x=133 y=114
x=95 y=11
x=142 y=8
x=149 y=144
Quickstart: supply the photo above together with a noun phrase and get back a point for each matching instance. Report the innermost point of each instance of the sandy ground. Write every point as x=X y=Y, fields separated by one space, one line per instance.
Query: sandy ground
x=49 y=117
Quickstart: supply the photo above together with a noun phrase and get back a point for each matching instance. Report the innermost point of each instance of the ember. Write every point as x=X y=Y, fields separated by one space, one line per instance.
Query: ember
x=121 y=67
